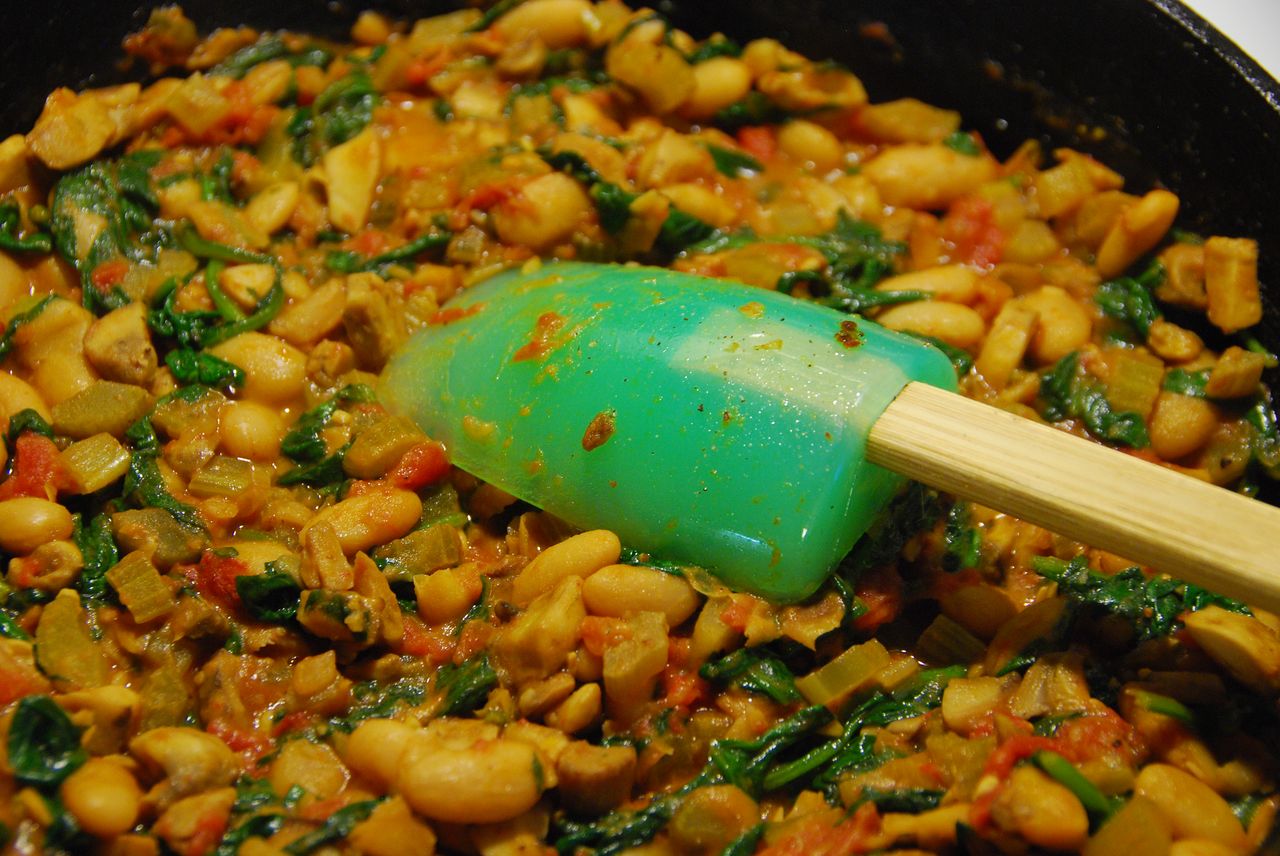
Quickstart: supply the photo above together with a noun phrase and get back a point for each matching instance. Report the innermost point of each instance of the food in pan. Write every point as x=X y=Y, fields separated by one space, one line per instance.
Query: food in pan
x=246 y=609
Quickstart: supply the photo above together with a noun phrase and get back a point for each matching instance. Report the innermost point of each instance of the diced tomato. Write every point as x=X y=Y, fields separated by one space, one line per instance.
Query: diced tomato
x=682 y=689
x=109 y=274
x=738 y=613
x=420 y=640
x=19 y=679
x=474 y=638
x=243 y=165
x=295 y=721
x=209 y=830
x=599 y=633
x=818 y=836
x=1001 y=762
x=880 y=591
x=424 y=464
x=1018 y=748
x=971 y=228
x=422 y=69
x=216 y=578
x=251 y=746
x=488 y=195
x=1097 y=735
x=759 y=141
x=370 y=242
x=36 y=469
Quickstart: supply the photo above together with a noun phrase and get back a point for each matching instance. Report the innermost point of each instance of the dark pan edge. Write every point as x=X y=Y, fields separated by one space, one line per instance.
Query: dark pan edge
x=1234 y=55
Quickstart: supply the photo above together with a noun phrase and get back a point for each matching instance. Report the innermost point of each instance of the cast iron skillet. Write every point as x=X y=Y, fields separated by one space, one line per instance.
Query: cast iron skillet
x=1146 y=85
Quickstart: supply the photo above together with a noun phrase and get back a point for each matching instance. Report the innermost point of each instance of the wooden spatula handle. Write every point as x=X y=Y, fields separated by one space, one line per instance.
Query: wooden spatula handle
x=1171 y=522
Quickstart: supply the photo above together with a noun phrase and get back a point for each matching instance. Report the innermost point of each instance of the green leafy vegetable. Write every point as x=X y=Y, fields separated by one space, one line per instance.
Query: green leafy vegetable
x=681 y=230
x=912 y=511
x=226 y=307
x=380 y=701
x=1066 y=392
x=960 y=358
x=911 y=800
x=98 y=547
x=266 y=49
x=325 y=472
x=466 y=685
x=732 y=162
x=203 y=368
x=857 y=258
x=346 y=261
x=11 y=223
x=754 y=109
x=110 y=204
x=1164 y=706
x=492 y=14
x=962 y=142
x=267 y=309
x=259 y=825
x=336 y=827
x=1094 y=801
x=26 y=420
x=44 y=746
x=745 y=844
x=613 y=204
x=1152 y=605
x=10 y=629
x=186 y=328
x=1186 y=382
x=340 y=112
x=1129 y=298
x=273 y=596
x=713 y=48
x=203 y=248
x=754 y=671
x=303 y=443
x=962 y=541
x=1265 y=442
x=215 y=185
x=144 y=483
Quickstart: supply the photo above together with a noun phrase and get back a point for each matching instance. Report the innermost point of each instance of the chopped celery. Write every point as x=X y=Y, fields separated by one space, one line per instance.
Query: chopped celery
x=140 y=587
x=222 y=476
x=845 y=675
x=945 y=641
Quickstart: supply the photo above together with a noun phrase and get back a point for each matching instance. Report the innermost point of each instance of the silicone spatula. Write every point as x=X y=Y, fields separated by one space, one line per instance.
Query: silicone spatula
x=760 y=436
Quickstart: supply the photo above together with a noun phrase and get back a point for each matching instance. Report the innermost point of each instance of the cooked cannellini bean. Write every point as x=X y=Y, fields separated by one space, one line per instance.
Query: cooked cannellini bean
x=274 y=370
x=616 y=590
x=1176 y=791
x=488 y=781
x=103 y=796
x=1040 y=810
x=927 y=176
x=578 y=556
x=717 y=83
x=546 y=211
x=27 y=522
x=953 y=323
x=364 y=521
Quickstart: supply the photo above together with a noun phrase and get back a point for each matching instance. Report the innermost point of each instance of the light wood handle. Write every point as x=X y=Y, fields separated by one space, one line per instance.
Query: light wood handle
x=1176 y=524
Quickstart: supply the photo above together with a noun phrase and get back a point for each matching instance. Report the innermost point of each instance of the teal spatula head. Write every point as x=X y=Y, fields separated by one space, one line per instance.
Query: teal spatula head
x=705 y=422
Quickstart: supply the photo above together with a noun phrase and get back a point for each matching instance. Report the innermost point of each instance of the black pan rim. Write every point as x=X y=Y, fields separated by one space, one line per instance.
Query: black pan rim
x=1258 y=78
